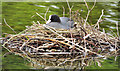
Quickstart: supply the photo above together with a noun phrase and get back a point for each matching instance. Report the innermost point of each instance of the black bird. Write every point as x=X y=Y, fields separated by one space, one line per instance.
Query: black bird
x=60 y=22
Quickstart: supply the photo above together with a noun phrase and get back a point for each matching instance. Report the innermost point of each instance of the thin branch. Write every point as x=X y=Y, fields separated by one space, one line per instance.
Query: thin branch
x=32 y=16
x=38 y=22
x=9 y=26
x=46 y=26
x=34 y=22
x=88 y=12
x=93 y=5
x=86 y=5
x=86 y=18
x=69 y=8
x=15 y=36
x=117 y=29
x=63 y=11
x=46 y=12
x=41 y=16
x=97 y=24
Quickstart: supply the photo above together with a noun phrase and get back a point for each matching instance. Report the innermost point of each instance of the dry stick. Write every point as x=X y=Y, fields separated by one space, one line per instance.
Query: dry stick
x=70 y=9
x=58 y=41
x=46 y=26
x=22 y=55
x=46 y=12
x=86 y=4
x=11 y=38
x=47 y=53
x=14 y=36
x=63 y=11
x=38 y=22
x=41 y=16
x=88 y=12
x=93 y=5
x=117 y=29
x=62 y=43
x=108 y=41
x=23 y=46
x=9 y=26
x=32 y=16
x=113 y=32
x=86 y=19
x=6 y=47
x=95 y=34
x=85 y=50
x=88 y=24
x=116 y=41
x=109 y=34
x=97 y=24
x=34 y=22
x=76 y=60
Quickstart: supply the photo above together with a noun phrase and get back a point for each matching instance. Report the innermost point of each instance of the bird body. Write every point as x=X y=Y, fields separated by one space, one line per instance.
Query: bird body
x=60 y=22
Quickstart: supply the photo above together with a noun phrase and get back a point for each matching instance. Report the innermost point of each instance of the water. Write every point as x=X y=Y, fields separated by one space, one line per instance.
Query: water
x=21 y=14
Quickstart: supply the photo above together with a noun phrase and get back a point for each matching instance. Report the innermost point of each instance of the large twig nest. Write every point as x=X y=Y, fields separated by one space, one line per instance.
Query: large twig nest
x=74 y=47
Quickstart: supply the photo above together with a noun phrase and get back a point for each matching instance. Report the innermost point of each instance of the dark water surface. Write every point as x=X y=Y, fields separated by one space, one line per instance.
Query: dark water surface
x=20 y=14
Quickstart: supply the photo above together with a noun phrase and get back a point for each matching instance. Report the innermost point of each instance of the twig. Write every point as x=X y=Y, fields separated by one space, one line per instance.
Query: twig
x=86 y=5
x=86 y=18
x=97 y=24
x=32 y=16
x=113 y=32
x=34 y=22
x=69 y=8
x=93 y=5
x=117 y=29
x=70 y=41
x=46 y=12
x=38 y=22
x=14 y=36
x=88 y=12
x=63 y=11
x=47 y=53
x=41 y=16
x=9 y=26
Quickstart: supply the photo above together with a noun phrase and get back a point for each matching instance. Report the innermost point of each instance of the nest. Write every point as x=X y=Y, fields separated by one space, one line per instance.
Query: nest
x=57 y=47
x=75 y=48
